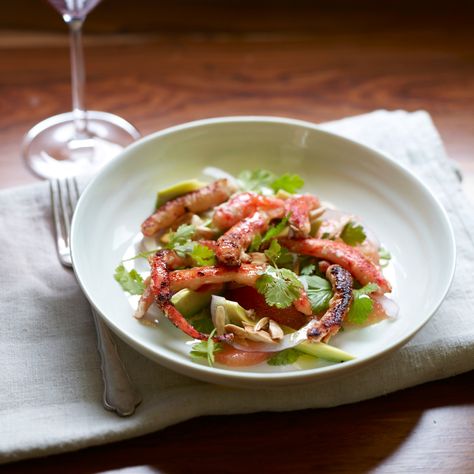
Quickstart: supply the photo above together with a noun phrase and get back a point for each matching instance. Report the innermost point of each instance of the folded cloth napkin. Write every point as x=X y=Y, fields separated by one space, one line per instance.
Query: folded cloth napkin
x=51 y=389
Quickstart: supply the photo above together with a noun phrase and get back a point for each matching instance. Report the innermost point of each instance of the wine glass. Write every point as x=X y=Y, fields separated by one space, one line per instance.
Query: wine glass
x=80 y=141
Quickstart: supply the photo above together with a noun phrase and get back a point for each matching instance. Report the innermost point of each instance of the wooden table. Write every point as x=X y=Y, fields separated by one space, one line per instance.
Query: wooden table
x=308 y=72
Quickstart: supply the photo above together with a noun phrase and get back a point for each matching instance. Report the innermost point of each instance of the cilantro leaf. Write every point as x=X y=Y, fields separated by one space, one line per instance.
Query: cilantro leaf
x=288 y=182
x=285 y=357
x=286 y=259
x=202 y=255
x=353 y=233
x=206 y=349
x=384 y=256
x=130 y=281
x=308 y=269
x=367 y=289
x=266 y=182
x=319 y=292
x=279 y=286
x=362 y=304
x=180 y=241
x=181 y=236
x=275 y=230
x=255 y=244
x=259 y=181
x=273 y=252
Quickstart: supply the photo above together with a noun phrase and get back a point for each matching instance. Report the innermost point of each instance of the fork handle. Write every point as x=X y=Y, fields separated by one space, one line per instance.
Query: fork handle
x=120 y=395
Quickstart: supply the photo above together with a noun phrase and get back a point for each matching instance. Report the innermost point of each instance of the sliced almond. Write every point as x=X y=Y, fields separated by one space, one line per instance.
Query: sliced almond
x=261 y=324
x=260 y=336
x=196 y=220
x=237 y=330
x=220 y=320
x=315 y=213
x=275 y=331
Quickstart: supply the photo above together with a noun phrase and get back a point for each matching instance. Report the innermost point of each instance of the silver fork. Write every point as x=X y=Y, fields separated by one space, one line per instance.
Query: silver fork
x=119 y=393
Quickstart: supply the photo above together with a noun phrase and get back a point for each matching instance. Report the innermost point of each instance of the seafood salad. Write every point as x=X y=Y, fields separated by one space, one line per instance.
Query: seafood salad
x=256 y=271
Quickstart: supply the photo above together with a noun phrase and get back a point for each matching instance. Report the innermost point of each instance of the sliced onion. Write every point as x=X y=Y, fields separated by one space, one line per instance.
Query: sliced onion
x=389 y=306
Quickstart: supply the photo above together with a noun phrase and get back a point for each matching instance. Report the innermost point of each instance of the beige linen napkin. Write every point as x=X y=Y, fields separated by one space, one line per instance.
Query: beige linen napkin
x=51 y=389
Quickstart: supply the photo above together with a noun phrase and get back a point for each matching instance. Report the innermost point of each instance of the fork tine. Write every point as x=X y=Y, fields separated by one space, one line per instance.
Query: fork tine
x=65 y=209
x=72 y=197
x=62 y=206
x=54 y=187
x=71 y=193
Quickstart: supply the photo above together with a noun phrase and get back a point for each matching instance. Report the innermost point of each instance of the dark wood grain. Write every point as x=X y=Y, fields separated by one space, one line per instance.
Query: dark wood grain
x=317 y=64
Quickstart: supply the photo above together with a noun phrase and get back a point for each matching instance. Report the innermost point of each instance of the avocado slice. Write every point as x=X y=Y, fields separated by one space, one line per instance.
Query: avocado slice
x=189 y=302
x=178 y=189
x=324 y=351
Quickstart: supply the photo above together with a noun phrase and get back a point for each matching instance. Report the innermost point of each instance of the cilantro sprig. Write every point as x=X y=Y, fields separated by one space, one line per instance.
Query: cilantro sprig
x=265 y=182
x=259 y=181
x=202 y=255
x=206 y=349
x=279 y=286
x=291 y=183
x=308 y=269
x=275 y=231
x=362 y=304
x=130 y=281
x=319 y=292
x=353 y=233
x=180 y=241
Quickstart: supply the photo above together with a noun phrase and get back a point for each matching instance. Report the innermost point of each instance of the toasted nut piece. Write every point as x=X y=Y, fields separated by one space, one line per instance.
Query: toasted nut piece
x=276 y=332
x=260 y=336
x=237 y=330
x=262 y=324
x=196 y=220
x=220 y=320
x=315 y=213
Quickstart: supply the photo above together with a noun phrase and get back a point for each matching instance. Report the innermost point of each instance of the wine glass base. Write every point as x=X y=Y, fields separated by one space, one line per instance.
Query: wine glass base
x=52 y=148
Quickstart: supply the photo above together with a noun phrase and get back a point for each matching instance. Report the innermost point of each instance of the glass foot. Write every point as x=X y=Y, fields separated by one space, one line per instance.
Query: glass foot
x=52 y=148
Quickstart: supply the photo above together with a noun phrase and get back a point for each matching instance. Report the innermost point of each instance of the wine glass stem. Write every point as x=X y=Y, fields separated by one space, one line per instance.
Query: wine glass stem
x=77 y=76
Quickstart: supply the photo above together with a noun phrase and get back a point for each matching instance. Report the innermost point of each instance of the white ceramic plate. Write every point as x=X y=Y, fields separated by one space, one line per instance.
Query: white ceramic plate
x=404 y=214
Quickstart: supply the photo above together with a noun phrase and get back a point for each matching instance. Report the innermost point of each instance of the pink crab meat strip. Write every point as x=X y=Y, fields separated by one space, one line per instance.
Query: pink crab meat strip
x=193 y=278
x=196 y=201
x=237 y=239
x=241 y=206
x=298 y=208
x=350 y=258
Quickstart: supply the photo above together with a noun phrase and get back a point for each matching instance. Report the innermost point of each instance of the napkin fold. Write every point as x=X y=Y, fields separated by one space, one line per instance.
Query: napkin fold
x=51 y=389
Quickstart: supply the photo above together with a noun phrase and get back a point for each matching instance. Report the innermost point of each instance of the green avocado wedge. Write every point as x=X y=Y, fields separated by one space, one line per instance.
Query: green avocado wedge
x=189 y=302
x=178 y=189
x=324 y=351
